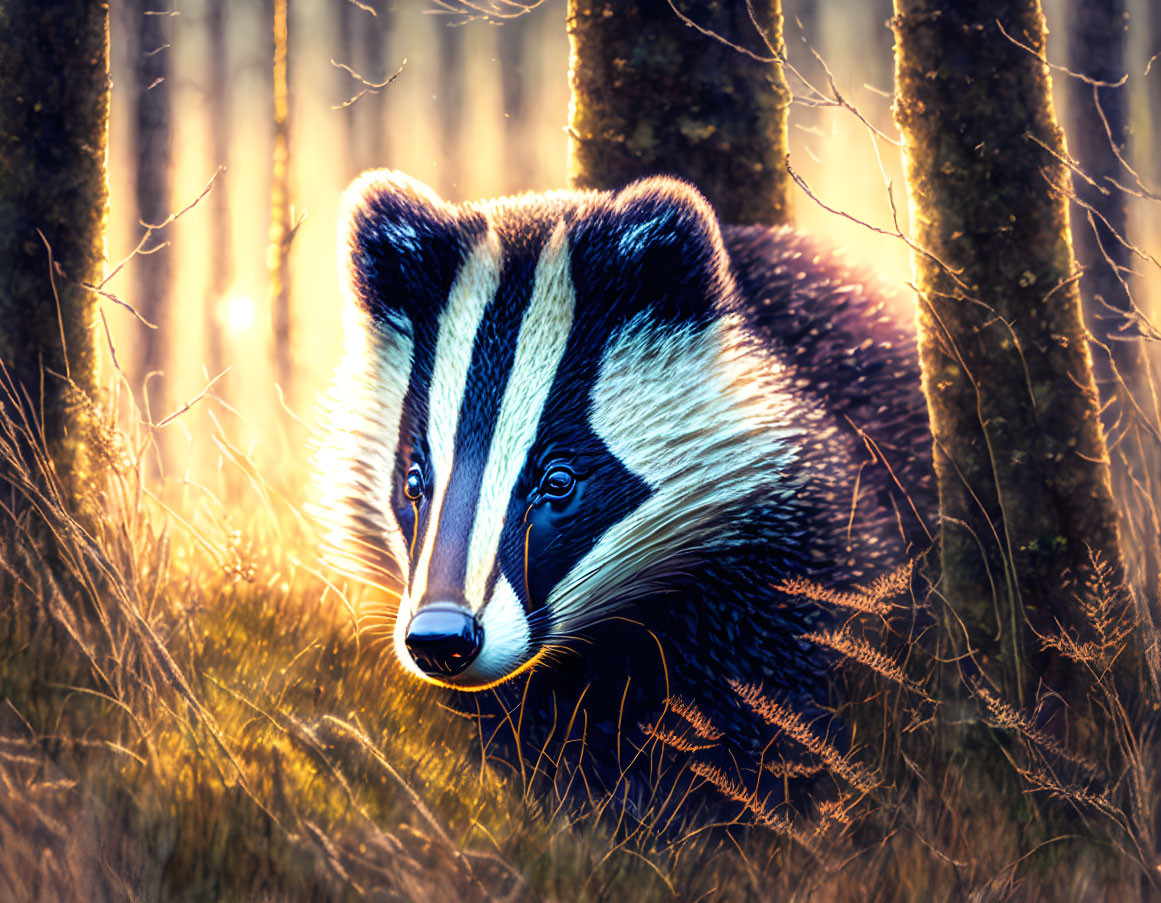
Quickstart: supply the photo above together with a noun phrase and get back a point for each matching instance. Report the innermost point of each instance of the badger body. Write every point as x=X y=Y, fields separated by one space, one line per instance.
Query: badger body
x=586 y=437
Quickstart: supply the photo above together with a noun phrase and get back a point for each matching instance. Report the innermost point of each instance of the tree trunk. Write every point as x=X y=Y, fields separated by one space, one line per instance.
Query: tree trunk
x=281 y=227
x=361 y=46
x=653 y=94
x=802 y=30
x=1153 y=82
x=802 y=34
x=372 y=134
x=1020 y=459
x=1097 y=38
x=518 y=138
x=344 y=20
x=221 y=240
x=1097 y=33
x=450 y=89
x=54 y=66
x=881 y=68
x=153 y=147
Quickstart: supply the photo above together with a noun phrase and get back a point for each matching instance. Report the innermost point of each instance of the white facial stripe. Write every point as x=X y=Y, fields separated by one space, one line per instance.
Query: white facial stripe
x=363 y=410
x=543 y=335
x=473 y=290
x=679 y=408
x=507 y=638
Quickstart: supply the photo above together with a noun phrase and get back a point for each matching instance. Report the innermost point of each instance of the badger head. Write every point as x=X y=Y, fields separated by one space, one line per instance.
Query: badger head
x=545 y=413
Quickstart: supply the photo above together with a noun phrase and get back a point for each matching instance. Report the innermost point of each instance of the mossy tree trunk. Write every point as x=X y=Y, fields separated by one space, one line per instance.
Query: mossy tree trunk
x=54 y=69
x=1020 y=458
x=652 y=93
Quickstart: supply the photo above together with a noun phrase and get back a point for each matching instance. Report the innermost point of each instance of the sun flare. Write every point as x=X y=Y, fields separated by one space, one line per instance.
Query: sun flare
x=239 y=313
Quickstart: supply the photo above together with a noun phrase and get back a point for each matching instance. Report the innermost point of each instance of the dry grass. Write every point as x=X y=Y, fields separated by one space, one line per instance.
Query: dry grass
x=187 y=711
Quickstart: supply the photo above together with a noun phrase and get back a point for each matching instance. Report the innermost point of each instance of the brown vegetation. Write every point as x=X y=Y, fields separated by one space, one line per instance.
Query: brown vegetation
x=192 y=708
x=187 y=712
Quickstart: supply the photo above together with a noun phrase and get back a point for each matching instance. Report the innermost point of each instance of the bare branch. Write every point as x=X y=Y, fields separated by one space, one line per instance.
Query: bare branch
x=494 y=11
x=1096 y=83
x=189 y=404
x=369 y=87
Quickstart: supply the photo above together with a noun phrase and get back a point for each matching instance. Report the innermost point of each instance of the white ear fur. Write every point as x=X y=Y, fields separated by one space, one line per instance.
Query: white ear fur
x=376 y=183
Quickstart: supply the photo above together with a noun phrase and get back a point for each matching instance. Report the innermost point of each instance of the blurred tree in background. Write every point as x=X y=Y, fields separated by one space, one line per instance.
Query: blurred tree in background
x=218 y=103
x=1099 y=131
x=449 y=90
x=282 y=227
x=1153 y=26
x=519 y=139
x=363 y=34
x=1098 y=137
x=148 y=30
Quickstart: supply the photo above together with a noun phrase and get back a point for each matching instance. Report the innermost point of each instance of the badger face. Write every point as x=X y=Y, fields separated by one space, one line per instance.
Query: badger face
x=544 y=413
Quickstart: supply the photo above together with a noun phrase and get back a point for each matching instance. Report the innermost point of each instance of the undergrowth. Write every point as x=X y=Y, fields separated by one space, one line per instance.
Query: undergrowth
x=189 y=711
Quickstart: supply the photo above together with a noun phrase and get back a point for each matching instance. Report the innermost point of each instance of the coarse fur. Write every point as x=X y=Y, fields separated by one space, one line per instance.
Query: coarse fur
x=730 y=408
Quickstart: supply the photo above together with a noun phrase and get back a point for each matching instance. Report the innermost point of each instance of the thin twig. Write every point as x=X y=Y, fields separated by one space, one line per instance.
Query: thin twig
x=189 y=404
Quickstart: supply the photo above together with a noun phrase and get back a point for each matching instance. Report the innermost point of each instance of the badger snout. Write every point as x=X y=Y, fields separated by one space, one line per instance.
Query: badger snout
x=444 y=639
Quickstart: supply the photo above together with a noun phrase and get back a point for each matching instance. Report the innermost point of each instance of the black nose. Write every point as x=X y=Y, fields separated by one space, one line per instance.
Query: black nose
x=443 y=639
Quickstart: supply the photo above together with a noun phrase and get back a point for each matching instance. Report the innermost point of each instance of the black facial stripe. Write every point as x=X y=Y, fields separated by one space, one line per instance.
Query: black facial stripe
x=652 y=257
x=493 y=355
x=607 y=297
x=424 y=305
x=610 y=491
x=494 y=575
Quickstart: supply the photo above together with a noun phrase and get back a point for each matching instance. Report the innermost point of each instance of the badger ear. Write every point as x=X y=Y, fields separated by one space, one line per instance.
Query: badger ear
x=657 y=246
x=402 y=246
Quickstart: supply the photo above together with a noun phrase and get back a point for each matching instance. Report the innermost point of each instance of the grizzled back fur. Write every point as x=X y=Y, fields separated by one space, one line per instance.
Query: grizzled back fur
x=584 y=437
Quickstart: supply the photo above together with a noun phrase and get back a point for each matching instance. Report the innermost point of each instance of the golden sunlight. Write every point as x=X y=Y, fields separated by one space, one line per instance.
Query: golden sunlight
x=239 y=313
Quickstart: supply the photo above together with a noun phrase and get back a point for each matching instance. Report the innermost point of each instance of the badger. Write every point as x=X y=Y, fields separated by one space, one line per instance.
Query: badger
x=580 y=440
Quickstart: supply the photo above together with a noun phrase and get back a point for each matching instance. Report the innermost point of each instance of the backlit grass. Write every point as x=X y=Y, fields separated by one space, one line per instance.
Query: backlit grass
x=188 y=710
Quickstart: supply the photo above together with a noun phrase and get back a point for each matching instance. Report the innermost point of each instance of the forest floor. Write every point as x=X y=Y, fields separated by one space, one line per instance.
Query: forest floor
x=189 y=711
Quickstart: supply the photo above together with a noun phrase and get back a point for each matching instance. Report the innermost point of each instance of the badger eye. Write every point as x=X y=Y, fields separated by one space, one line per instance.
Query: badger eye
x=413 y=485
x=558 y=483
